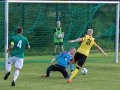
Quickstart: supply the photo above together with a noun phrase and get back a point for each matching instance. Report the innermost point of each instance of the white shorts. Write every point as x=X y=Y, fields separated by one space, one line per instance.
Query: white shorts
x=17 y=61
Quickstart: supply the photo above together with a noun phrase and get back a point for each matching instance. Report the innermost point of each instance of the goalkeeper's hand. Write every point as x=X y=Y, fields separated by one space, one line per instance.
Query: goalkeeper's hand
x=73 y=61
x=53 y=60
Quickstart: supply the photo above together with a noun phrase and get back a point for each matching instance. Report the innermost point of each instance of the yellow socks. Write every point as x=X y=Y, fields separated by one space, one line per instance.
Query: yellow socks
x=74 y=73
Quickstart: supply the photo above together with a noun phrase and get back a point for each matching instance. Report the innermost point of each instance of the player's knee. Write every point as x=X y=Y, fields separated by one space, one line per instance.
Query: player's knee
x=50 y=68
x=77 y=67
x=80 y=64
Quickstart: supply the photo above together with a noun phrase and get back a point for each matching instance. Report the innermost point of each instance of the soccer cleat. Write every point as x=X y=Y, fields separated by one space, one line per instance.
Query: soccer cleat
x=6 y=76
x=69 y=81
x=44 y=75
x=13 y=83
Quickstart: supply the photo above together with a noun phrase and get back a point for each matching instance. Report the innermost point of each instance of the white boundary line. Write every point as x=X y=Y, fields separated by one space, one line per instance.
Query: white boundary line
x=90 y=2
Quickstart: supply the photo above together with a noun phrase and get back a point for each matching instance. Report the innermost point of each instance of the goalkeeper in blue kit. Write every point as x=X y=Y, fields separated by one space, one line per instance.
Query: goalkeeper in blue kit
x=64 y=59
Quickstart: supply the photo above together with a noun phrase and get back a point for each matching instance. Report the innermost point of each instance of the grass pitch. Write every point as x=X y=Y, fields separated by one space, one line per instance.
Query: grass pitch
x=100 y=76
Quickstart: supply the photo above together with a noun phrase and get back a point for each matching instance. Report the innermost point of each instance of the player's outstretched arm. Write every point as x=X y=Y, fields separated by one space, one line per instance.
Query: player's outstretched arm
x=57 y=57
x=100 y=49
x=76 y=40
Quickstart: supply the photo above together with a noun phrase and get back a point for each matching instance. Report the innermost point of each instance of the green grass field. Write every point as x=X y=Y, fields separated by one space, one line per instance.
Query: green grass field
x=103 y=74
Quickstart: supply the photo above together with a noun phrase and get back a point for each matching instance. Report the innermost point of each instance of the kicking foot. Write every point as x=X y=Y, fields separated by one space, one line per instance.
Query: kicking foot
x=6 y=76
x=69 y=81
x=13 y=83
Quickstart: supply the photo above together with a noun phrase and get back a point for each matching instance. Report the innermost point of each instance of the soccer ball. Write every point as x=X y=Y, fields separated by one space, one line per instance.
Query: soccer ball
x=59 y=36
x=84 y=71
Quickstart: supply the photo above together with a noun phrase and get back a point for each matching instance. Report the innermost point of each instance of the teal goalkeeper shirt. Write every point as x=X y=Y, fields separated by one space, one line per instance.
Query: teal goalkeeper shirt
x=65 y=59
x=20 y=44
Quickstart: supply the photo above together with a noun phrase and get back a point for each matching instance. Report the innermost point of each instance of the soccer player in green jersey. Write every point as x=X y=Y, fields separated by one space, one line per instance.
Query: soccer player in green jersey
x=18 y=44
x=83 y=51
x=58 y=40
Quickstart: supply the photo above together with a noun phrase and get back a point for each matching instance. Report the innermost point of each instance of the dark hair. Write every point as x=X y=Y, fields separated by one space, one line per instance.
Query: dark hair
x=19 y=30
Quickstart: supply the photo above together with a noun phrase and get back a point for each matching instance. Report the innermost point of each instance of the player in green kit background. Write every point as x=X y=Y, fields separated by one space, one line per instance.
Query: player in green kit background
x=18 y=44
x=57 y=40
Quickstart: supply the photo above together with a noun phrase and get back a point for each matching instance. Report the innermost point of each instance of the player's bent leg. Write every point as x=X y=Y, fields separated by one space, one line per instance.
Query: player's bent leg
x=8 y=71
x=73 y=74
x=18 y=65
x=50 y=68
x=9 y=67
x=47 y=72
x=6 y=75
x=80 y=62
x=64 y=73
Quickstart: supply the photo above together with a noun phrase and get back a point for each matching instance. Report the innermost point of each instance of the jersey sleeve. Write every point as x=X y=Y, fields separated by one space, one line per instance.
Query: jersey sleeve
x=27 y=42
x=58 y=56
x=95 y=43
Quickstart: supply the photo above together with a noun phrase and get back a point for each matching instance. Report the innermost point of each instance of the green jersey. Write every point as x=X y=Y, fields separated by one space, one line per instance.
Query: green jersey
x=58 y=31
x=20 y=43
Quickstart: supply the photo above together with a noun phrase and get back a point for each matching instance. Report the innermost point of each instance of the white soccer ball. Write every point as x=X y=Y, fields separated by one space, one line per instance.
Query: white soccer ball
x=59 y=36
x=84 y=71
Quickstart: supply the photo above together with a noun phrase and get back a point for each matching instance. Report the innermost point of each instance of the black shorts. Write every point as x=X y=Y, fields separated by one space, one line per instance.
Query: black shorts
x=59 y=43
x=80 y=58
x=59 y=68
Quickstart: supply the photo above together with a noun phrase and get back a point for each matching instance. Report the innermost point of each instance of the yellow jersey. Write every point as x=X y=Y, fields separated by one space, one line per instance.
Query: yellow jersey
x=87 y=43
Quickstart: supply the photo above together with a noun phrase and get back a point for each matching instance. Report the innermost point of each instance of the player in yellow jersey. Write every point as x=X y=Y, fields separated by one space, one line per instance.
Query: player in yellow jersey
x=83 y=51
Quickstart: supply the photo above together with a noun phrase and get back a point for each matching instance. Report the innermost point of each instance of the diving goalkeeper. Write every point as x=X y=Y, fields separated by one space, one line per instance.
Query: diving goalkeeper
x=64 y=59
